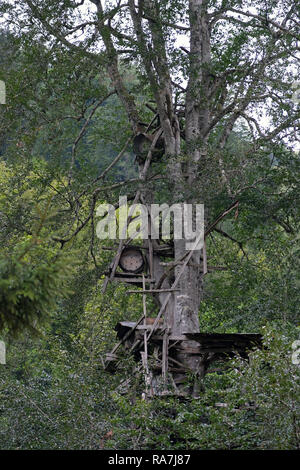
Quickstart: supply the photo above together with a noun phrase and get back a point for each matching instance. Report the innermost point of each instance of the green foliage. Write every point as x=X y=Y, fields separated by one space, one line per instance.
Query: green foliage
x=50 y=397
x=31 y=281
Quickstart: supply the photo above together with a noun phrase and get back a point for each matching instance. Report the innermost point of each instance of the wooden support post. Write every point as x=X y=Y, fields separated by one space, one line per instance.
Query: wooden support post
x=204 y=259
x=150 y=244
x=145 y=323
x=148 y=378
x=165 y=349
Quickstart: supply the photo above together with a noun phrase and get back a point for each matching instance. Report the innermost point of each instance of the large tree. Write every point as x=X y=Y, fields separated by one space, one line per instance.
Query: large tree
x=208 y=69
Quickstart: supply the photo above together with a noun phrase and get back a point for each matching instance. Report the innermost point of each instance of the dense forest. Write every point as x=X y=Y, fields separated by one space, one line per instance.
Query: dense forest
x=217 y=80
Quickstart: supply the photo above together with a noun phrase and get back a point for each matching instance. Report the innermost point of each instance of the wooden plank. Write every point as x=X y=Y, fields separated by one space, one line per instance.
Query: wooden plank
x=111 y=357
x=152 y=291
x=133 y=280
x=225 y=338
x=178 y=338
x=194 y=265
x=127 y=334
x=130 y=324
x=165 y=347
x=135 y=344
x=140 y=276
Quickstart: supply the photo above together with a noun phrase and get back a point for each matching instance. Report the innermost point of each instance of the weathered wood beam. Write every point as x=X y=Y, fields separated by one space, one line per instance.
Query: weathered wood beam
x=151 y=291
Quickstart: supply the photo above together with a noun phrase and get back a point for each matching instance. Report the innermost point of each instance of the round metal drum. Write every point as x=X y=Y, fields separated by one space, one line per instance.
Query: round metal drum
x=132 y=260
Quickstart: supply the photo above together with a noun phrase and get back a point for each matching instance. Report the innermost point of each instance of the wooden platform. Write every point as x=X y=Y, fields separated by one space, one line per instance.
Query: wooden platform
x=213 y=345
x=225 y=342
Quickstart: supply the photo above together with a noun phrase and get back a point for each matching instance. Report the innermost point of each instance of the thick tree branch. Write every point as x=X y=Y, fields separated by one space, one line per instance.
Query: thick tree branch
x=267 y=20
x=114 y=73
x=97 y=58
